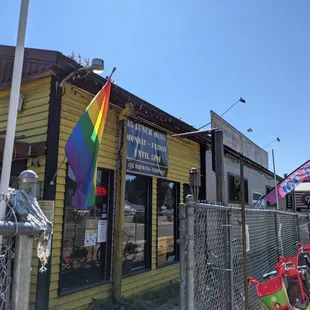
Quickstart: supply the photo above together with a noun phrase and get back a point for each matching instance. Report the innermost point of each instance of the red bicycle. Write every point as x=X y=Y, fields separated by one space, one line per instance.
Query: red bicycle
x=273 y=292
x=297 y=289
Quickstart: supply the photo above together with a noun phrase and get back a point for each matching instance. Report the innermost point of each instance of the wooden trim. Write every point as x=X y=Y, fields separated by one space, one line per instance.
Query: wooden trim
x=24 y=149
x=49 y=191
x=177 y=195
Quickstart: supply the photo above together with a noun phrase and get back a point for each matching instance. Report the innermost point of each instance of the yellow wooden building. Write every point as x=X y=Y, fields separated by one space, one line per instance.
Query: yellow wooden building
x=127 y=243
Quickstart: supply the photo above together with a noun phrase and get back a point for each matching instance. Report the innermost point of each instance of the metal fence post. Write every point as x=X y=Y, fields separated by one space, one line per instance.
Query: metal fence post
x=231 y=262
x=308 y=216
x=190 y=259
x=182 y=219
x=22 y=270
x=277 y=237
x=298 y=231
x=279 y=232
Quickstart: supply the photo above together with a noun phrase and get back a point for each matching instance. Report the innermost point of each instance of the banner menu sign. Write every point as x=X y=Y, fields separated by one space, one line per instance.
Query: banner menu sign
x=147 y=150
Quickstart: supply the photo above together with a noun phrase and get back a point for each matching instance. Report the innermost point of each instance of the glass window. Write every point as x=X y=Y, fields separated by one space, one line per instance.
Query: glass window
x=137 y=227
x=234 y=189
x=86 y=245
x=257 y=196
x=167 y=206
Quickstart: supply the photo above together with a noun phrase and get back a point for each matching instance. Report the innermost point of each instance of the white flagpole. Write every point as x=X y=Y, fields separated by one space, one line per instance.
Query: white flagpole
x=277 y=199
x=13 y=105
x=275 y=179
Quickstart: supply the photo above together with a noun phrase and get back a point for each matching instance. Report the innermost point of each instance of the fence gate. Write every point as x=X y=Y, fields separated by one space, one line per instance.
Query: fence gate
x=212 y=260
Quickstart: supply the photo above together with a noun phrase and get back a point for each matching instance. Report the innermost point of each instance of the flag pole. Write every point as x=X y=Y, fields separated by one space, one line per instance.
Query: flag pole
x=275 y=179
x=277 y=200
x=13 y=104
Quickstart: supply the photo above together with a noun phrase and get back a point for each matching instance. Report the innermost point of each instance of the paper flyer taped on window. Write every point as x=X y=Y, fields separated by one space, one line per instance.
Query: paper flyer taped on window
x=90 y=232
x=102 y=231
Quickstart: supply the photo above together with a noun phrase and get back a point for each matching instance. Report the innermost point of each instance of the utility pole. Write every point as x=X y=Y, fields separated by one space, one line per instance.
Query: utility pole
x=120 y=203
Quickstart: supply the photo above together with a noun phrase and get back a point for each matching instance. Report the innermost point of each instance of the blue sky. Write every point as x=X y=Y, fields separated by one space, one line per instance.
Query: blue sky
x=188 y=57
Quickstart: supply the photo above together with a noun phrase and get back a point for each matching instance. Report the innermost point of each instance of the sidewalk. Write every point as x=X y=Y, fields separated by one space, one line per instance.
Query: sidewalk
x=166 y=298
x=173 y=304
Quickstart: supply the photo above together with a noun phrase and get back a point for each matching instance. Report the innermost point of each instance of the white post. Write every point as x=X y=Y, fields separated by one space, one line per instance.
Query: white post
x=13 y=106
x=277 y=199
x=22 y=272
x=275 y=179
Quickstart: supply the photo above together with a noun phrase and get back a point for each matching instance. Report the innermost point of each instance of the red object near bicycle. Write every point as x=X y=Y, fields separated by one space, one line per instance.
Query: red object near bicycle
x=272 y=292
x=297 y=290
x=304 y=249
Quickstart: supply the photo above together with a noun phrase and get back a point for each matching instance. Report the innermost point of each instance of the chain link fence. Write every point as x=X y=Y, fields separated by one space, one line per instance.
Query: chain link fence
x=23 y=221
x=218 y=281
x=7 y=248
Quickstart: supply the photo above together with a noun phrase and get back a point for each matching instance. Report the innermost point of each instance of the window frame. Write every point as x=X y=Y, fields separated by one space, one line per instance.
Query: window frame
x=63 y=291
x=175 y=226
x=246 y=188
x=148 y=228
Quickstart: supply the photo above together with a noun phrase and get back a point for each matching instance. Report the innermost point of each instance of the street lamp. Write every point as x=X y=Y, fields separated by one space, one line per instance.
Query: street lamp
x=97 y=66
x=239 y=100
x=276 y=139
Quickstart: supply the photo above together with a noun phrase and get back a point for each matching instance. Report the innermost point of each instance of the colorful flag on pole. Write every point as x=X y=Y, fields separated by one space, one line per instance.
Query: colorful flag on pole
x=289 y=183
x=83 y=145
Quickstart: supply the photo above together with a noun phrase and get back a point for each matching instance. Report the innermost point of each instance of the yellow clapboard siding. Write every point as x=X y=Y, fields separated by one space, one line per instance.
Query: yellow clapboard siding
x=151 y=285
x=30 y=87
x=42 y=108
x=142 y=282
x=182 y=157
x=146 y=275
x=83 y=297
x=74 y=116
x=31 y=122
x=33 y=127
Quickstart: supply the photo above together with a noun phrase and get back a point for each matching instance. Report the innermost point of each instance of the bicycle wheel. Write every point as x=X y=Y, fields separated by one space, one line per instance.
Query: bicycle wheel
x=292 y=292
x=130 y=256
x=98 y=254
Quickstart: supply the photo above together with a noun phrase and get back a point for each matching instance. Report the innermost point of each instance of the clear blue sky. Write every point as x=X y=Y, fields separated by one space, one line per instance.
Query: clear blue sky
x=188 y=57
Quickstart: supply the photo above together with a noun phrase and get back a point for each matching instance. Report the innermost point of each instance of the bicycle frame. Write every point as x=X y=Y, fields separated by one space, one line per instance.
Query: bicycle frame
x=273 y=292
x=130 y=249
x=304 y=249
x=289 y=267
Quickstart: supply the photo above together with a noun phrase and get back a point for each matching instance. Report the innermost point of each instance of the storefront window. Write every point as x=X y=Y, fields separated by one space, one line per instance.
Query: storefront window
x=137 y=227
x=86 y=246
x=167 y=206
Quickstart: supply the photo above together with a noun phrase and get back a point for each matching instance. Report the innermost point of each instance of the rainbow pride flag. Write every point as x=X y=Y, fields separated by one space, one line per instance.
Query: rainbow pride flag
x=83 y=145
